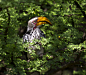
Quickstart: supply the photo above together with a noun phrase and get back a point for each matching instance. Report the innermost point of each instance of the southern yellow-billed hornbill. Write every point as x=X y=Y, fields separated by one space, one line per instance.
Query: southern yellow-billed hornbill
x=34 y=32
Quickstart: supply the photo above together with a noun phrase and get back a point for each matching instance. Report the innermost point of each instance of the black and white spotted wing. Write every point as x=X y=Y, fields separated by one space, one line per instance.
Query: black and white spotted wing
x=34 y=34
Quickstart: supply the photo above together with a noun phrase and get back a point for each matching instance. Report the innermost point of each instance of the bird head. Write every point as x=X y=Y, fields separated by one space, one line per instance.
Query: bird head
x=37 y=22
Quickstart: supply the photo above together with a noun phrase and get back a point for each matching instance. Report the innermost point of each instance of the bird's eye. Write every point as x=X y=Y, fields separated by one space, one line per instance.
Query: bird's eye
x=34 y=22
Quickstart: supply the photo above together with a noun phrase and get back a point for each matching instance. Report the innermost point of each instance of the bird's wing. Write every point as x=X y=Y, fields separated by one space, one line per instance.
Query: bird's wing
x=34 y=34
x=26 y=38
x=37 y=34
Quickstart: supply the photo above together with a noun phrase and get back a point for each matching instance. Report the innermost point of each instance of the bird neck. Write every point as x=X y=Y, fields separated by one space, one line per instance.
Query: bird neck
x=35 y=27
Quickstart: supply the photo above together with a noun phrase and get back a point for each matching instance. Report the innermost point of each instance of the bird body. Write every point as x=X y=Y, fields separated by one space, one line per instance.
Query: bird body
x=34 y=32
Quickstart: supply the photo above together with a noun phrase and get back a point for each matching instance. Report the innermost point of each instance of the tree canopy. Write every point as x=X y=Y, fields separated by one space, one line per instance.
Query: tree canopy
x=65 y=42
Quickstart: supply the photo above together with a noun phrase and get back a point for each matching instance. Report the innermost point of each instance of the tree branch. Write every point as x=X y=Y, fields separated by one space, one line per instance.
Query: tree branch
x=78 y=6
x=52 y=71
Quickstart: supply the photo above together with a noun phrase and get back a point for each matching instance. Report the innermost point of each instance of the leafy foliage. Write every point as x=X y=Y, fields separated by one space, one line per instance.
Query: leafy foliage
x=65 y=41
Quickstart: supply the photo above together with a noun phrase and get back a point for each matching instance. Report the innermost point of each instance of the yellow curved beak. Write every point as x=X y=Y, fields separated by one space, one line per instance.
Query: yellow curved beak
x=42 y=20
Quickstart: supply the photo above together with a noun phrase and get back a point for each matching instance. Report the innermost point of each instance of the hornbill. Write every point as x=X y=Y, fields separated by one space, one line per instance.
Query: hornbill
x=34 y=32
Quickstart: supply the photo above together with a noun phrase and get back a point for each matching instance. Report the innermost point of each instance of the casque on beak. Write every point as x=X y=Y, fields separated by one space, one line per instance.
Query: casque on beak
x=42 y=20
